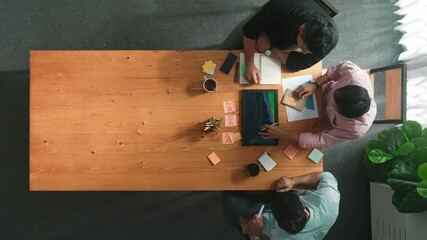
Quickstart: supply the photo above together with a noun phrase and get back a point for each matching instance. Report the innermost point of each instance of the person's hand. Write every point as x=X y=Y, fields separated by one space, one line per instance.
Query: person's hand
x=252 y=74
x=306 y=90
x=262 y=43
x=271 y=132
x=255 y=226
x=284 y=184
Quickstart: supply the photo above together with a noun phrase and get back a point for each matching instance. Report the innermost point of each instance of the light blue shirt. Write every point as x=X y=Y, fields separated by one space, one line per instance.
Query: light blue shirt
x=323 y=204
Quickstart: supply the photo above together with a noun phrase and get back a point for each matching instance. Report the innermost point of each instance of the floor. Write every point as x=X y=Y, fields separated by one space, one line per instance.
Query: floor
x=366 y=37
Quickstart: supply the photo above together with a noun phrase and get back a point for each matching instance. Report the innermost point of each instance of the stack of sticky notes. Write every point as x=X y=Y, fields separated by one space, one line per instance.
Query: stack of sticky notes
x=209 y=67
x=315 y=155
x=290 y=151
x=214 y=158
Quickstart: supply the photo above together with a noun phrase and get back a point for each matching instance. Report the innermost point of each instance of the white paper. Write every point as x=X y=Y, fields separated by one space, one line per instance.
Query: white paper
x=293 y=114
x=269 y=68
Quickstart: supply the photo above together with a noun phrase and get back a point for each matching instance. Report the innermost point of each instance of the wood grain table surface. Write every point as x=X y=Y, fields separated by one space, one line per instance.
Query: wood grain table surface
x=133 y=121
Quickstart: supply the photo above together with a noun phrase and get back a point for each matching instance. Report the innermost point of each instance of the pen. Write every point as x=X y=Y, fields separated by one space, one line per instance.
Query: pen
x=236 y=75
x=274 y=124
x=260 y=210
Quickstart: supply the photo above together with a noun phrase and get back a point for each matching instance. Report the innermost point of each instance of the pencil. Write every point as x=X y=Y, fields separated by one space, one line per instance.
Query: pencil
x=274 y=124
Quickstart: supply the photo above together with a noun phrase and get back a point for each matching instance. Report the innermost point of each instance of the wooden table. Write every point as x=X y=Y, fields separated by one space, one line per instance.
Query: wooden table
x=131 y=120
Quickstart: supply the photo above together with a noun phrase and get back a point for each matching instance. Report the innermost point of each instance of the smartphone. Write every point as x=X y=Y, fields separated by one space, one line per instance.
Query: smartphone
x=228 y=63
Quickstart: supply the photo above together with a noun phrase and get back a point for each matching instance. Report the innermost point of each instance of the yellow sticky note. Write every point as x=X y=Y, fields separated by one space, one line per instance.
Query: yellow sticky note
x=230 y=120
x=208 y=66
x=214 y=158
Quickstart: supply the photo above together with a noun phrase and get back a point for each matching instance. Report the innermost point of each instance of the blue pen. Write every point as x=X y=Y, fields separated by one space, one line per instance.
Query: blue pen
x=236 y=75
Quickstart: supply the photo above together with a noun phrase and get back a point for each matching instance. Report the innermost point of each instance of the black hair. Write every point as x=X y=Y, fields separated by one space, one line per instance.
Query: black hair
x=320 y=35
x=352 y=101
x=289 y=212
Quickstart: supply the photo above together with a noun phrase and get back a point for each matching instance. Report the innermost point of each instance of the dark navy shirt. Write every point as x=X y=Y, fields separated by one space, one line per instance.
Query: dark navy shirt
x=280 y=20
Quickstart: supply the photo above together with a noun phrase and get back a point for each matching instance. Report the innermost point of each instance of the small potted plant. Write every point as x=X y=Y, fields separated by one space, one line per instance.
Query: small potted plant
x=399 y=158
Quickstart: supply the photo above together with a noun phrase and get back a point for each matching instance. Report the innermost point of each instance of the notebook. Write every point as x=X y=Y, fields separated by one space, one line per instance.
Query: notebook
x=269 y=68
x=266 y=161
x=291 y=99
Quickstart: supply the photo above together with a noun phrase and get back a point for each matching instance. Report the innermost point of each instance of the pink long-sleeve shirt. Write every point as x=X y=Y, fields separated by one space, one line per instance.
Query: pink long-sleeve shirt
x=337 y=127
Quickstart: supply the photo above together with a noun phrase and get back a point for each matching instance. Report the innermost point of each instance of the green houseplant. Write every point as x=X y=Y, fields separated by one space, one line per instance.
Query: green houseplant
x=399 y=158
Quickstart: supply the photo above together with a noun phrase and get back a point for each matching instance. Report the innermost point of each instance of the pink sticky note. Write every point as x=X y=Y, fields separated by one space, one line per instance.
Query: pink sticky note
x=214 y=158
x=230 y=120
x=229 y=106
x=237 y=136
x=227 y=138
x=290 y=151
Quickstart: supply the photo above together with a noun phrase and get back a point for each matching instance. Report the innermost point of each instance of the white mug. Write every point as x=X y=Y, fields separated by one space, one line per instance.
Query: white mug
x=210 y=84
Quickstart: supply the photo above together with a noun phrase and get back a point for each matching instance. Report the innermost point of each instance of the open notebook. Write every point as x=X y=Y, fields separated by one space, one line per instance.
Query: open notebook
x=270 y=69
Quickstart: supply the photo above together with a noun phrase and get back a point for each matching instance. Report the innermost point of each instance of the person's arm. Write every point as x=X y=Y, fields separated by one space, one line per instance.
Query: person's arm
x=309 y=88
x=251 y=71
x=272 y=132
x=255 y=226
x=280 y=55
x=305 y=182
x=333 y=136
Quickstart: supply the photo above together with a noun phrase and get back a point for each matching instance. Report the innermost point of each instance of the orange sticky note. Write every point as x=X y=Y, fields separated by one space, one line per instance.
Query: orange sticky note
x=290 y=151
x=230 y=120
x=214 y=158
x=227 y=138
x=237 y=136
x=229 y=106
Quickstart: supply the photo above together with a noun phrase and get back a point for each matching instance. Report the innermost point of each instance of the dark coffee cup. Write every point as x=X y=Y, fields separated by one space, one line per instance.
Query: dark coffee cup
x=253 y=169
x=210 y=84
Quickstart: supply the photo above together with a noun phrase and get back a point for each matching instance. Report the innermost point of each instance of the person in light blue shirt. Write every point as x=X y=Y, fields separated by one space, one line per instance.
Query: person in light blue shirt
x=303 y=207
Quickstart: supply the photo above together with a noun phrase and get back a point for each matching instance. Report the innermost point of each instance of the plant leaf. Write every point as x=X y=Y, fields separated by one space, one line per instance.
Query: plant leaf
x=424 y=133
x=418 y=157
x=403 y=178
x=412 y=202
x=382 y=136
x=379 y=156
x=405 y=149
x=419 y=142
x=411 y=129
x=422 y=171
x=375 y=144
x=397 y=200
x=422 y=188
x=393 y=140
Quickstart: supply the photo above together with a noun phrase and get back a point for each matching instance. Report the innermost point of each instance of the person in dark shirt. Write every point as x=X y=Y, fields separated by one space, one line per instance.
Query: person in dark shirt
x=298 y=33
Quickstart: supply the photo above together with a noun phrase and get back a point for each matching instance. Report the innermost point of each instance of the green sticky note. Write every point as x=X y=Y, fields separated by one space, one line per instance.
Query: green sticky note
x=315 y=155
x=242 y=69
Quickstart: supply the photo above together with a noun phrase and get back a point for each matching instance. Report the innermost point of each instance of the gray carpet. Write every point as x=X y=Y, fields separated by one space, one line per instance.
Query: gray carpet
x=366 y=37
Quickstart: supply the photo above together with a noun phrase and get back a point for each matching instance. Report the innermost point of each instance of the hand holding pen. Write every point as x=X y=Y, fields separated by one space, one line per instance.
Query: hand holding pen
x=271 y=131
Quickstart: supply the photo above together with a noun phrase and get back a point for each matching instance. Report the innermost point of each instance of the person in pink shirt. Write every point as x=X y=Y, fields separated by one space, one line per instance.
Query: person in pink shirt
x=349 y=106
